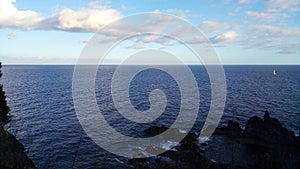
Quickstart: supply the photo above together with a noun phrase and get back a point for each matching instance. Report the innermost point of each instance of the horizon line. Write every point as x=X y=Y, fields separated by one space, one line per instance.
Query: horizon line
x=242 y=64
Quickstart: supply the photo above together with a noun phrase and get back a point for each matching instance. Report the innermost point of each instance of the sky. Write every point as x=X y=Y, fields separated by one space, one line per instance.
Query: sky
x=240 y=31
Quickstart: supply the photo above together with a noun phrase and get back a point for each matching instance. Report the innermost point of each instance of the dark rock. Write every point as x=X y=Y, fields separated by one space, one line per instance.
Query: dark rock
x=190 y=137
x=204 y=144
x=254 y=128
x=155 y=130
x=174 y=136
x=268 y=130
x=187 y=155
x=267 y=116
x=232 y=129
x=268 y=144
x=12 y=153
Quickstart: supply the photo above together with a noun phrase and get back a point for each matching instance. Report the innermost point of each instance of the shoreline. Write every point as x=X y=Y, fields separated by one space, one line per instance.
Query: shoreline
x=263 y=144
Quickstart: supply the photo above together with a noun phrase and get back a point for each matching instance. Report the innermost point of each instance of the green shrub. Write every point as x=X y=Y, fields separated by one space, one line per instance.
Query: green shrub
x=4 y=109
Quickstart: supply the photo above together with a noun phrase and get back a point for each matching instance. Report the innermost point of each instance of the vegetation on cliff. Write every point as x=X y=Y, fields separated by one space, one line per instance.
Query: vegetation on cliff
x=4 y=109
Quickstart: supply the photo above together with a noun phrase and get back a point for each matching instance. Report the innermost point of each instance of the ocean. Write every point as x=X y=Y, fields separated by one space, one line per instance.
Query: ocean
x=44 y=119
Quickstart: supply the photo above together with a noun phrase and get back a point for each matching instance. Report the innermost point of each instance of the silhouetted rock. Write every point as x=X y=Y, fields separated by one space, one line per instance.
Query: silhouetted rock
x=190 y=138
x=175 y=134
x=268 y=143
x=188 y=154
x=268 y=130
x=155 y=130
x=254 y=128
x=12 y=154
x=204 y=144
x=232 y=129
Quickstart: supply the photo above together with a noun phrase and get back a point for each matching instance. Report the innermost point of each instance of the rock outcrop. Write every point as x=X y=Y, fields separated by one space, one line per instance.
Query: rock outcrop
x=12 y=154
x=269 y=144
x=187 y=155
x=232 y=129
x=269 y=131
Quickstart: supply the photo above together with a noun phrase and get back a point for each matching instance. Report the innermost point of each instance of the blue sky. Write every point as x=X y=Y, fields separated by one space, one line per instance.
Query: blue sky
x=241 y=31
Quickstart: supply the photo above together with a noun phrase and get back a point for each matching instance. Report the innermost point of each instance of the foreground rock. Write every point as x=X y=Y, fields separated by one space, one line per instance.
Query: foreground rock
x=187 y=155
x=233 y=129
x=269 y=131
x=270 y=145
x=12 y=154
x=187 y=137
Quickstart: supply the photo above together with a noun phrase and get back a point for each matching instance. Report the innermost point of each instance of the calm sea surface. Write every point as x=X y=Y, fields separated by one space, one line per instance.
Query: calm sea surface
x=44 y=119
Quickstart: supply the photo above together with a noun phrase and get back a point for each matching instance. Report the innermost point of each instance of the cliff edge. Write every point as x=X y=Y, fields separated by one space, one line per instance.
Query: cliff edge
x=12 y=155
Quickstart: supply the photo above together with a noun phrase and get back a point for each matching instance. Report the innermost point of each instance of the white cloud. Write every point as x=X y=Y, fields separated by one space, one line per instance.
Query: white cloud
x=136 y=45
x=267 y=16
x=85 y=19
x=284 y=40
x=10 y=16
x=284 y=5
x=151 y=29
x=225 y=37
x=101 y=40
x=286 y=52
x=94 y=17
x=168 y=42
x=244 y=1
x=12 y=35
x=178 y=12
x=287 y=46
x=197 y=39
x=218 y=32
x=88 y=20
x=213 y=26
x=275 y=31
x=149 y=38
x=247 y=1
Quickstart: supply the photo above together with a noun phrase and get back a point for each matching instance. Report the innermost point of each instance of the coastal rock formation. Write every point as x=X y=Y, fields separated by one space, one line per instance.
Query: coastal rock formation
x=232 y=129
x=187 y=155
x=155 y=130
x=268 y=130
x=268 y=143
x=262 y=131
x=176 y=133
x=12 y=154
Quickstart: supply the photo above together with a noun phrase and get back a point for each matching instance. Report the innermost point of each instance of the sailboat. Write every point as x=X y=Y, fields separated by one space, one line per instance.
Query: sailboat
x=274 y=72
